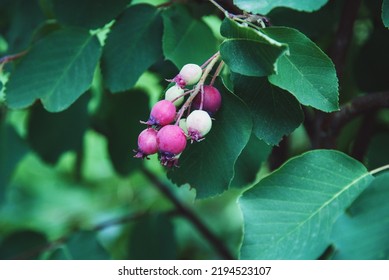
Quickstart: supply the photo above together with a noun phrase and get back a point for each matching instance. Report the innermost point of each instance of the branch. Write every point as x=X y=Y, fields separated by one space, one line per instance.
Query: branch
x=340 y=45
x=358 y=106
x=363 y=136
x=188 y=214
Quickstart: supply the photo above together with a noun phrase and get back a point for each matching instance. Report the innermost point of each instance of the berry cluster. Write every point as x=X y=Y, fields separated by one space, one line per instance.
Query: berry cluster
x=167 y=132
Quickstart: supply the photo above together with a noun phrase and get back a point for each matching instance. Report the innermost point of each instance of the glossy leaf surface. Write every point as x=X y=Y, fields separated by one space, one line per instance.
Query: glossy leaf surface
x=290 y=213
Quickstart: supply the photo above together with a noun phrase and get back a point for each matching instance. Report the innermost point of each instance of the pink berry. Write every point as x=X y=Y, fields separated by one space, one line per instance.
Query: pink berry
x=212 y=100
x=171 y=142
x=198 y=123
x=162 y=113
x=147 y=143
x=189 y=75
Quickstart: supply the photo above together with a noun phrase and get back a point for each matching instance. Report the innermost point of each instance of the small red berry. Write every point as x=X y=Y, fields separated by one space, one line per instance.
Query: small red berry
x=171 y=141
x=147 y=143
x=212 y=100
x=162 y=113
x=198 y=123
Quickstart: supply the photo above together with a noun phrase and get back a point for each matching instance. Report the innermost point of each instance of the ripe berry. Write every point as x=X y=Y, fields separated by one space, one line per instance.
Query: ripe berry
x=189 y=75
x=212 y=100
x=162 y=113
x=174 y=93
x=171 y=142
x=198 y=123
x=147 y=143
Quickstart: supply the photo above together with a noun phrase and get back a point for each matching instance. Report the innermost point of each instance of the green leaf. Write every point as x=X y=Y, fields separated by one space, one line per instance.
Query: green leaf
x=23 y=18
x=153 y=238
x=290 y=213
x=218 y=152
x=133 y=45
x=362 y=233
x=186 y=39
x=249 y=52
x=307 y=72
x=275 y=112
x=90 y=14
x=50 y=135
x=385 y=13
x=57 y=69
x=82 y=245
x=315 y=30
x=12 y=150
x=24 y=245
x=118 y=119
x=265 y=6
x=249 y=161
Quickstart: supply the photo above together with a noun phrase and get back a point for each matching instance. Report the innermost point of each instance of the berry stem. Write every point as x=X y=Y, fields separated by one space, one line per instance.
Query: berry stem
x=217 y=72
x=202 y=98
x=181 y=95
x=209 y=60
x=8 y=58
x=197 y=89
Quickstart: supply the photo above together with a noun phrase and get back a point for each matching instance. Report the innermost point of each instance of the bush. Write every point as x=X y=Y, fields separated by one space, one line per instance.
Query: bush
x=288 y=162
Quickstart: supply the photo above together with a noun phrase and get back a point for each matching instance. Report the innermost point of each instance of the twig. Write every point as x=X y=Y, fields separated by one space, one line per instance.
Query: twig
x=217 y=72
x=363 y=136
x=219 y=7
x=340 y=45
x=358 y=106
x=188 y=214
x=8 y=58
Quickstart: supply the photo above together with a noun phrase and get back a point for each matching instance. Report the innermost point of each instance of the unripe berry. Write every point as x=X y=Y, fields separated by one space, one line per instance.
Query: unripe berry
x=171 y=142
x=162 y=113
x=147 y=143
x=189 y=75
x=174 y=93
x=212 y=100
x=198 y=123
x=182 y=124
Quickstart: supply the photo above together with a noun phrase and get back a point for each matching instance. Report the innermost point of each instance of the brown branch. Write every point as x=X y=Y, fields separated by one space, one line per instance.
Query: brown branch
x=363 y=136
x=190 y=216
x=339 y=48
x=358 y=106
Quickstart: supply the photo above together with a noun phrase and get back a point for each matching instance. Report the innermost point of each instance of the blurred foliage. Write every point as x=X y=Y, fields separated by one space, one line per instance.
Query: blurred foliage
x=69 y=121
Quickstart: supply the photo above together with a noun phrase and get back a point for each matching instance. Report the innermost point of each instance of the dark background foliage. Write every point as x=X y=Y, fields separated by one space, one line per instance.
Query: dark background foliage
x=283 y=174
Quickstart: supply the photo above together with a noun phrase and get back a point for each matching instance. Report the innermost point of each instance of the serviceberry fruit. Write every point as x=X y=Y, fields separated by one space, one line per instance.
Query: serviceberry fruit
x=182 y=124
x=189 y=75
x=162 y=113
x=147 y=143
x=171 y=141
x=198 y=123
x=174 y=93
x=212 y=100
